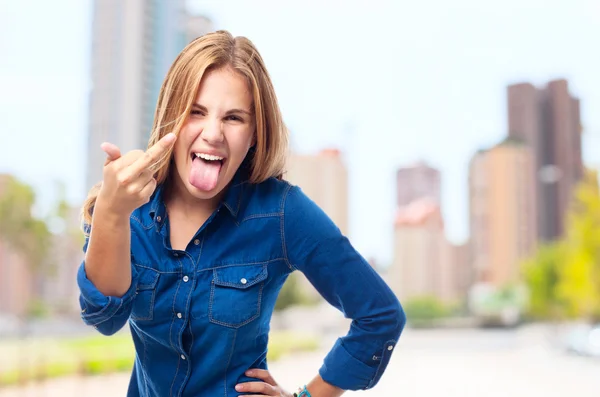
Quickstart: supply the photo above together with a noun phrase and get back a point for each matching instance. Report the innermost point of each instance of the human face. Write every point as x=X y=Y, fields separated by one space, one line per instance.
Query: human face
x=216 y=136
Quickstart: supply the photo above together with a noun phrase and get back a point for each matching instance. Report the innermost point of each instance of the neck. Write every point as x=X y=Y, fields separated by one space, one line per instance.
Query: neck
x=178 y=198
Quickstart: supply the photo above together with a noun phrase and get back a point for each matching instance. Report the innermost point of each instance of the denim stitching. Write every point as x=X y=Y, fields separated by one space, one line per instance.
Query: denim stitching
x=157 y=271
x=141 y=335
x=390 y=342
x=240 y=264
x=258 y=216
x=140 y=223
x=212 y=294
x=108 y=316
x=174 y=316
x=260 y=277
x=235 y=326
x=200 y=253
x=175 y=376
x=101 y=311
x=182 y=329
x=152 y=299
x=282 y=227
x=229 y=361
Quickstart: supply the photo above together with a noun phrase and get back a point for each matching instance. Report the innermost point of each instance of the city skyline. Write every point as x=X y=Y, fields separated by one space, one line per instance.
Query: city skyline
x=438 y=98
x=133 y=44
x=548 y=121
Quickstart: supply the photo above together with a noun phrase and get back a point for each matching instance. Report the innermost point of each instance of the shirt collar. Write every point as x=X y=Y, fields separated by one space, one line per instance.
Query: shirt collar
x=235 y=192
x=158 y=209
x=232 y=199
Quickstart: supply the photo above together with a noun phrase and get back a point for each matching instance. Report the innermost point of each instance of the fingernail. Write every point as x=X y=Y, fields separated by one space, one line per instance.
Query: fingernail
x=249 y=372
x=170 y=136
x=239 y=387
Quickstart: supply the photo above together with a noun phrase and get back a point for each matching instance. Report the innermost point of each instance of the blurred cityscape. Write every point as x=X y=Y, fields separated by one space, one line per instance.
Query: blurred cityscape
x=530 y=266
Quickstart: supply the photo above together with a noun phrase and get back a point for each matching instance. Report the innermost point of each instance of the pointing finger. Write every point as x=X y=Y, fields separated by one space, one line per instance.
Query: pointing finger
x=154 y=153
x=112 y=152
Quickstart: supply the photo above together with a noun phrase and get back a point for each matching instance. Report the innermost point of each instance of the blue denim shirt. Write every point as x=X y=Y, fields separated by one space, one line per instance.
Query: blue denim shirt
x=199 y=318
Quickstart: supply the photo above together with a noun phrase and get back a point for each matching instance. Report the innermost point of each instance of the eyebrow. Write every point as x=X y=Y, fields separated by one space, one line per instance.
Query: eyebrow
x=230 y=111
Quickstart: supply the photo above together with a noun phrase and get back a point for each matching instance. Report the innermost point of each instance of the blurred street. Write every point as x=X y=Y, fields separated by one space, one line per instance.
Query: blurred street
x=461 y=363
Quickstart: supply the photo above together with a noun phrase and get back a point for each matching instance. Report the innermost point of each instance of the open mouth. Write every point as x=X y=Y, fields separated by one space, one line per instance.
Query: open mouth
x=205 y=170
x=208 y=158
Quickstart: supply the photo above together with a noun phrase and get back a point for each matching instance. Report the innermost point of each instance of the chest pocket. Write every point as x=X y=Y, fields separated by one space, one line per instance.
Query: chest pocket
x=143 y=303
x=236 y=294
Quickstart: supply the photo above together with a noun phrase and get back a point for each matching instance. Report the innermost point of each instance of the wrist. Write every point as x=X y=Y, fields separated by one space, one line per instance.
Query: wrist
x=107 y=213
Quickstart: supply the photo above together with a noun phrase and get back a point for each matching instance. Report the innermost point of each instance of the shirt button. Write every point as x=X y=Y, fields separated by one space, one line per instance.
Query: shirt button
x=186 y=279
x=182 y=357
x=196 y=242
x=179 y=315
x=390 y=347
x=243 y=281
x=175 y=254
x=158 y=218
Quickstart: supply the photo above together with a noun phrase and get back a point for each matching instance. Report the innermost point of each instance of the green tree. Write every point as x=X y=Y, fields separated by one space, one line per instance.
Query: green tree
x=579 y=277
x=541 y=274
x=563 y=277
x=23 y=232
x=27 y=235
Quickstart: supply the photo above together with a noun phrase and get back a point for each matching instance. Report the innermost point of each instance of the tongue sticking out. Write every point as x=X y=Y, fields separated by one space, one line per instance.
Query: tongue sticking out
x=205 y=174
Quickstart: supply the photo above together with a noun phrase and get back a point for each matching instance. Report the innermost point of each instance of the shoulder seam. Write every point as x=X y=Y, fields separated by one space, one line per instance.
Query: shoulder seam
x=283 y=245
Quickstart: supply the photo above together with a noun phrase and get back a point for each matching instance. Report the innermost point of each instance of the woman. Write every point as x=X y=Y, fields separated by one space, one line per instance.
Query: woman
x=191 y=241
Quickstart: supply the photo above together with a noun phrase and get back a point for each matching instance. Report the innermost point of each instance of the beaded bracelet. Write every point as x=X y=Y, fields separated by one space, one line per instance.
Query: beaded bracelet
x=302 y=392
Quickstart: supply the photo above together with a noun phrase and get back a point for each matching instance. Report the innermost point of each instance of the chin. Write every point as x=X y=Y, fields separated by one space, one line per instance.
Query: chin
x=204 y=194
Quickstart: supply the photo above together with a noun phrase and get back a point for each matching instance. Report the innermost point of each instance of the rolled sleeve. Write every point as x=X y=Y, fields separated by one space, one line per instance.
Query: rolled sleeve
x=108 y=314
x=316 y=247
x=342 y=369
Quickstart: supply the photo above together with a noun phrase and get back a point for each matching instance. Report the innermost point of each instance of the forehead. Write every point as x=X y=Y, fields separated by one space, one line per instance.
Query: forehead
x=224 y=87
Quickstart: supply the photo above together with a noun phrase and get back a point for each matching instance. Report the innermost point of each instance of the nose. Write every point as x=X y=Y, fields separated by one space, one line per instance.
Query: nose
x=212 y=132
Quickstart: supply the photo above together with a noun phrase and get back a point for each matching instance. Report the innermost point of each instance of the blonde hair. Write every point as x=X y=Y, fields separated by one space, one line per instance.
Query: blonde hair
x=179 y=90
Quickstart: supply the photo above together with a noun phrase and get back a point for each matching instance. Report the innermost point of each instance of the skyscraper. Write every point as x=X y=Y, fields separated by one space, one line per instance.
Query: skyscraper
x=323 y=178
x=502 y=212
x=421 y=250
x=548 y=120
x=134 y=43
x=416 y=182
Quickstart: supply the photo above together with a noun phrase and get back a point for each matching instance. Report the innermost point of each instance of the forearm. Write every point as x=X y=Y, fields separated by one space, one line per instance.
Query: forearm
x=319 y=388
x=107 y=259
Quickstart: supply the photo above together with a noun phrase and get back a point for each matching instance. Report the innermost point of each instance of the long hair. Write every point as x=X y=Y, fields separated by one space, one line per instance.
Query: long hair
x=179 y=90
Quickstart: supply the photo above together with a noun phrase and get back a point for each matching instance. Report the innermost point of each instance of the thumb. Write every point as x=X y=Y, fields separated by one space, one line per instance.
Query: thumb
x=112 y=152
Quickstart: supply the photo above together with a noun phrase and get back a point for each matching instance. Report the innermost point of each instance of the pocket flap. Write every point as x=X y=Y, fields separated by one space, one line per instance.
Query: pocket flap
x=240 y=276
x=147 y=280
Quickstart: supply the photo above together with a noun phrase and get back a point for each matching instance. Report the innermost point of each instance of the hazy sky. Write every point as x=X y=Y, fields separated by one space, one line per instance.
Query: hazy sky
x=389 y=82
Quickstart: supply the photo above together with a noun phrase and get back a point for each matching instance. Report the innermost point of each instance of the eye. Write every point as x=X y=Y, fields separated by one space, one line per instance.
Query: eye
x=233 y=118
x=196 y=112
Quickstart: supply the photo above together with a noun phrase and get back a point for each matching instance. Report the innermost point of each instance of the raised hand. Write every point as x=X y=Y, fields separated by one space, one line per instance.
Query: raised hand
x=128 y=180
x=268 y=386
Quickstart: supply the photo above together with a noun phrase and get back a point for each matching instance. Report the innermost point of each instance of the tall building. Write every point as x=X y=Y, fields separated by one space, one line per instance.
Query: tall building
x=425 y=263
x=134 y=43
x=548 y=120
x=502 y=212
x=416 y=182
x=16 y=282
x=324 y=179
